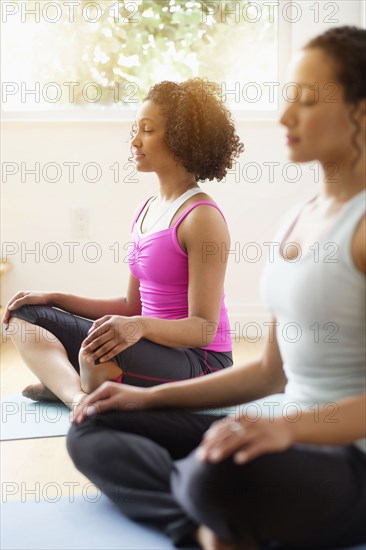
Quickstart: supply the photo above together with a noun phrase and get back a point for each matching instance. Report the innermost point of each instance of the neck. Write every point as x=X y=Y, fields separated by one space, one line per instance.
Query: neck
x=172 y=186
x=342 y=181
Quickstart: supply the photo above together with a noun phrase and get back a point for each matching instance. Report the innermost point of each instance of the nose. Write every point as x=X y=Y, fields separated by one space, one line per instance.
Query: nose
x=136 y=141
x=288 y=116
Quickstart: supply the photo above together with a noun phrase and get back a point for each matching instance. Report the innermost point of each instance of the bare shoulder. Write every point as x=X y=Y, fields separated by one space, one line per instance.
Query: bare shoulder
x=204 y=217
x=359 y=245
x=203 y=214
x=203 y=223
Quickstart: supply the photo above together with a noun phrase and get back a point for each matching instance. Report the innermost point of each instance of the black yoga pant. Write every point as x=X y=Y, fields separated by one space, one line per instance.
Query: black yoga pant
x=308 y=497
x=144 y=363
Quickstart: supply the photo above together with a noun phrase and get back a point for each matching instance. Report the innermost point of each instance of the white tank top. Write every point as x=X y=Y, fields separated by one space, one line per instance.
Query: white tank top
x=163 y=222
x=319 y=304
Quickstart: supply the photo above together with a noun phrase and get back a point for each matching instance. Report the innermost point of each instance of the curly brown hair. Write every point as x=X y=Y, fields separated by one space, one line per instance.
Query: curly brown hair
x=347 y=47
x=199 y=129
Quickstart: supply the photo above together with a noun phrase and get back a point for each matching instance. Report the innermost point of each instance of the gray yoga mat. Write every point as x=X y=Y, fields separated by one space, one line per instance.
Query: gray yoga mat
x=22 y=418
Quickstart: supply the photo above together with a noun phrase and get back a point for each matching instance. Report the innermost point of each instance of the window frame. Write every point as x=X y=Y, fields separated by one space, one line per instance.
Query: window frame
x=111 y=114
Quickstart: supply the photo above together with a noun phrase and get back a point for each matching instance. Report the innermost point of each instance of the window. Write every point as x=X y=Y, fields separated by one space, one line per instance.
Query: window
x=102 y=56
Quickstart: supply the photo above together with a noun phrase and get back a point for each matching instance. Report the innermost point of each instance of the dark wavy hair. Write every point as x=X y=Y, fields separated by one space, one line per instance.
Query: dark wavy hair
x=347 y=47
x=199 y=129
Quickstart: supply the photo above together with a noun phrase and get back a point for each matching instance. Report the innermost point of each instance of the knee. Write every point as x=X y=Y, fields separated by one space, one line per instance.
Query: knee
x=28 y=312
x=19 y=321
x=83 y=447
x=201 y=487
x=207 y=493
x=23 y=313
x=73 y=444
x=95 y=449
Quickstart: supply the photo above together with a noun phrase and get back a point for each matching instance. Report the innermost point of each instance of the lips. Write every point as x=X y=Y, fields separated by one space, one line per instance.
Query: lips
x=138 y=156
x=292 y=140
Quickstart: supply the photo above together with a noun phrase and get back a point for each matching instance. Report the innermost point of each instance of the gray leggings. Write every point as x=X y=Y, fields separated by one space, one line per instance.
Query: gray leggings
x=144 y=363
x=309 y=497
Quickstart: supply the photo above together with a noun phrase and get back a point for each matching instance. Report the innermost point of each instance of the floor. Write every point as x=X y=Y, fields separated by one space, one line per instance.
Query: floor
x=40 y=468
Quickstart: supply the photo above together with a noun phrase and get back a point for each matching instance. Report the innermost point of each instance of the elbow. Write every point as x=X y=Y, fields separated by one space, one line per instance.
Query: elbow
x=274 y=377
x=279 y=385
x=208 y=332
x=132 y=310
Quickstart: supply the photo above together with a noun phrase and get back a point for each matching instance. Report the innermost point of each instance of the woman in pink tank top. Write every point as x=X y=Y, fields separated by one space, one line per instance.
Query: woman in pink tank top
x=173 y=323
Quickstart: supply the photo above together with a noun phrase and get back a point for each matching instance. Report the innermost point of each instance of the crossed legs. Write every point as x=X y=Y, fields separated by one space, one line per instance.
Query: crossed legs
x=53 y=355
x=306 y=497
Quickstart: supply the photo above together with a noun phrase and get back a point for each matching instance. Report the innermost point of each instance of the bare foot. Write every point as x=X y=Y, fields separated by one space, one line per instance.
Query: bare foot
x=208 y=540
x=78 y=398
x=39 y=392
x=92 y=376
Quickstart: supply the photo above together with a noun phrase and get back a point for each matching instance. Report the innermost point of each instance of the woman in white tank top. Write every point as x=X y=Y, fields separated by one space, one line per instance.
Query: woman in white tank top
x=296 y=480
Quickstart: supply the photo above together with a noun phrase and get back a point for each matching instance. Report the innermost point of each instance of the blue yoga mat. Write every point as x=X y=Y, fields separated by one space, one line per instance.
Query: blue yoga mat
x=22 y=418
x=77 y=525
x=265 y=407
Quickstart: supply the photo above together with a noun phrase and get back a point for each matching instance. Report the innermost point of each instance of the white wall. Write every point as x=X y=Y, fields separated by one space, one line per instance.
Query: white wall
x=35 y=212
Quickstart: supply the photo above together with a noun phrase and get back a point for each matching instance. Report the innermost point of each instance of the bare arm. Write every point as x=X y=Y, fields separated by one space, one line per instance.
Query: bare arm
x=204 y=227
x=229 y=387
x=338 y=423
x=359 y=246
x=343 y=425
x=94 y=308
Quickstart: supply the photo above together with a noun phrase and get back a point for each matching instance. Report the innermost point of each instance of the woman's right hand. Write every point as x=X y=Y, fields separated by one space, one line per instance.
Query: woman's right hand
x=111 y=396
x=25 y=297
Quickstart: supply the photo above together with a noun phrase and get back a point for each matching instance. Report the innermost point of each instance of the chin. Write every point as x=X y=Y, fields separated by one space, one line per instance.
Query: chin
x=141 y=168
x=299 y=156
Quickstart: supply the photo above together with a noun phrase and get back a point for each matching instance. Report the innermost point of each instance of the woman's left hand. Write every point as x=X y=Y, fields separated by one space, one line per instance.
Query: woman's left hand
x=110 y=335
x=245 y=439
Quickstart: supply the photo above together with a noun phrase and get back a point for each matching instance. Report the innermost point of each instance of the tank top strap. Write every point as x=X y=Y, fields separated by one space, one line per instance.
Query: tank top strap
x=289 y=219
x=343 y=232
x=140 y=208
x=191 y=207
x=356 y=209
x=350 y=215
x=174 y=207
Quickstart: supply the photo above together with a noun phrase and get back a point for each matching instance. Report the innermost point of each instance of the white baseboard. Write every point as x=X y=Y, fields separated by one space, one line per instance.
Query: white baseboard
x=249 y=321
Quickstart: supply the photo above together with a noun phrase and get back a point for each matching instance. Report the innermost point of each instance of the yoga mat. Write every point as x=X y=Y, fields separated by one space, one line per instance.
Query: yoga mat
x=78 y=525
x=265 y=407
x=22 y=418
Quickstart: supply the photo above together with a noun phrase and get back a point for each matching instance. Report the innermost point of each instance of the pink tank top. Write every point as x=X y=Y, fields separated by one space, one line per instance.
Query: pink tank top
x=161 y=266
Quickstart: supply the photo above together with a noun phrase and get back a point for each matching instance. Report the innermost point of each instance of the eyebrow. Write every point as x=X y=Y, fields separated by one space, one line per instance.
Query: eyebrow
x=145 y=118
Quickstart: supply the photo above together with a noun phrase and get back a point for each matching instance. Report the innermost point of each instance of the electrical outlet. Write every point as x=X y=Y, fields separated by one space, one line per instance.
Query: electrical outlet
x=80 y=223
